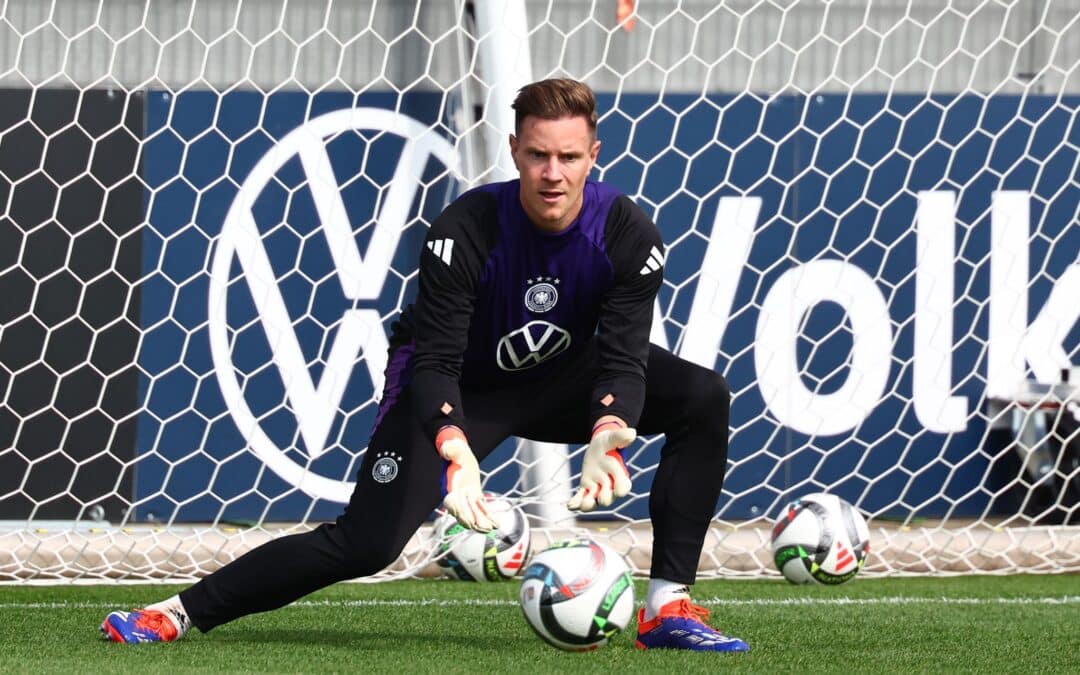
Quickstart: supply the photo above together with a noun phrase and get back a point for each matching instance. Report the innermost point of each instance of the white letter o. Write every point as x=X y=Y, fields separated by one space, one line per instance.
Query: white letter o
x=787 y=302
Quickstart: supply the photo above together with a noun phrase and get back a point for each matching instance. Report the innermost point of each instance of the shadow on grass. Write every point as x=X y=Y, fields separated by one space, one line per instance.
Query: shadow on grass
x=360 y=639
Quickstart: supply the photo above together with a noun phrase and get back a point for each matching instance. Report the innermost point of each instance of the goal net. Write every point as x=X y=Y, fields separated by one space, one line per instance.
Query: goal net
x=211 y=213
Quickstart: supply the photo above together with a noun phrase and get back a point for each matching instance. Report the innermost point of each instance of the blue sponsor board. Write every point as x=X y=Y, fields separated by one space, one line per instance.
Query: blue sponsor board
x=837 y=179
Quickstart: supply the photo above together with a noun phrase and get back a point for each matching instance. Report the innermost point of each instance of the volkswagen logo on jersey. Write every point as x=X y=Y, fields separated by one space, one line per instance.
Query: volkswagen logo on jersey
x=541 y=295
x=531 y=345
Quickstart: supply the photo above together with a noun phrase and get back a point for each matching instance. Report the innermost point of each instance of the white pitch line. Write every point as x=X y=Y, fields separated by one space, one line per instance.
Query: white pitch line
x=901 y=600
x=716 y=602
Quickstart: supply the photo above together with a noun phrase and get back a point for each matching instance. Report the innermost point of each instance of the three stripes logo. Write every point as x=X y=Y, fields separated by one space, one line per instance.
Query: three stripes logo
x=442 y=248
x=514 y=564
x=654 y=262
x=844 y=556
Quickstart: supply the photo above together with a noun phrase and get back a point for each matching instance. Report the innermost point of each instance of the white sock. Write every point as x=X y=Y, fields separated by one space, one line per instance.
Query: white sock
x=174 y=609
x=661 y=592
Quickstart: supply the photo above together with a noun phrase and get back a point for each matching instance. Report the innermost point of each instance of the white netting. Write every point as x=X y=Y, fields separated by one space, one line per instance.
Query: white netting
x=210 y=213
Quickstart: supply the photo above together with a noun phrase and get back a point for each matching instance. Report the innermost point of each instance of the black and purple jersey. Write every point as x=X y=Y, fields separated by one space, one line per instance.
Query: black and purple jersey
x=501 y=302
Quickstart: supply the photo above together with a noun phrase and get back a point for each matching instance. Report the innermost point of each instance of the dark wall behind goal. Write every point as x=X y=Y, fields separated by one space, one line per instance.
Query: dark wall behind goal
x=70 y=206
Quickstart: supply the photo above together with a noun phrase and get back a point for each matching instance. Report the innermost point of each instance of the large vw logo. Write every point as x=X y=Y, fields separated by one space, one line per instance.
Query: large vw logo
x=361 y=276
x=530 y=345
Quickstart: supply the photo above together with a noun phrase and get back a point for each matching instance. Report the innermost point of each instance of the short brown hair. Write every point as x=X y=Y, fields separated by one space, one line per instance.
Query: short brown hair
x=555 y=99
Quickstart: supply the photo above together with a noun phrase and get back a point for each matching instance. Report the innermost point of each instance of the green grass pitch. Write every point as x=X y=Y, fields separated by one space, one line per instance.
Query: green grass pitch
x=1020 y=624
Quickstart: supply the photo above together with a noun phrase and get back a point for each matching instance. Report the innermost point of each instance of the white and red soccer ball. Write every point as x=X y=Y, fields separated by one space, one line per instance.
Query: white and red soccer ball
x=820 y=539
x=577 y=595
x=484 y=556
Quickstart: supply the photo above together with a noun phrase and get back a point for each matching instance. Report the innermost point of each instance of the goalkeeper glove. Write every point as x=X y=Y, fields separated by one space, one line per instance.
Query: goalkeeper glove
x=461 y=482
x=603 y=475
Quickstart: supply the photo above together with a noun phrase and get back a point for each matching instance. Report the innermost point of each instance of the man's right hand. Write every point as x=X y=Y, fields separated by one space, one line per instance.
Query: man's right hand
x=461 y=483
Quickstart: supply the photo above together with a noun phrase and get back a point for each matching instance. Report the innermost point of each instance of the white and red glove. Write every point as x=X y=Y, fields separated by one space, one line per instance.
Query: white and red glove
x=604 y=477
x=464 y=498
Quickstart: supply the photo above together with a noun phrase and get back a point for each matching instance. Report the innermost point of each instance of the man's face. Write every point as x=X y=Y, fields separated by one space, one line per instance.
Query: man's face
x=553 y=158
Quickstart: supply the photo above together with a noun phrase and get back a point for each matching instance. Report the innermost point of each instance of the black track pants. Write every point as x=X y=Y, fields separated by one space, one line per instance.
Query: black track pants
x=687 y=403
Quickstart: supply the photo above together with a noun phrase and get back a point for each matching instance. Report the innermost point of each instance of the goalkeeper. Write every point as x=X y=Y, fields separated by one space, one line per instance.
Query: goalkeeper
x=532 y=319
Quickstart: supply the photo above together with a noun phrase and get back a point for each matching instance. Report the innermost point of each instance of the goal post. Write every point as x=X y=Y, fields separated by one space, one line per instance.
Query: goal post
x=505 y=65
x=210 y=214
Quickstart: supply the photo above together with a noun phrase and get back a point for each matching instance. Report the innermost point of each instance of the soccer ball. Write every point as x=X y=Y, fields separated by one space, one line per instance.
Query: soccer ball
x=820 y=539
x=577 y=594
x=484 y=556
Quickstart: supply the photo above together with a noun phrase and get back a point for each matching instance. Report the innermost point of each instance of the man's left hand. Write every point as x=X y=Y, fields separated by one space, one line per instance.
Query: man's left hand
x=604 y=477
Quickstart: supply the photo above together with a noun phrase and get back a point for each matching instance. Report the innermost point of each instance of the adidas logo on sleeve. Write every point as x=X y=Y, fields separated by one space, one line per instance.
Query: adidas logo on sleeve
x=654 y=262
x=443 y=249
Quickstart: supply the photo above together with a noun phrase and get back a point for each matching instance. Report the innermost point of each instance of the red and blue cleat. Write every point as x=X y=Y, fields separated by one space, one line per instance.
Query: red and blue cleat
x=139 y=625
x=681 y=625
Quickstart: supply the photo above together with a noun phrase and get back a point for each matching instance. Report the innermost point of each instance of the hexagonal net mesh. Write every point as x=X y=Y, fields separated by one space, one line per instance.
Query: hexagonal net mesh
x=211 y=212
